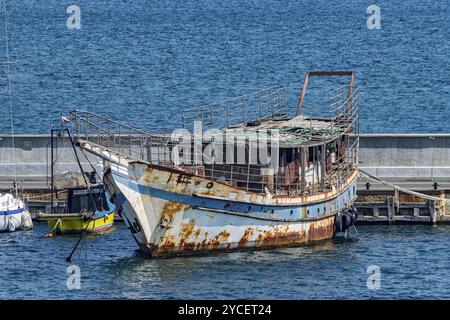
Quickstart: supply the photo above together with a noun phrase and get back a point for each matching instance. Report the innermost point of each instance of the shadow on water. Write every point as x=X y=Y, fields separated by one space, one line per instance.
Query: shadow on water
x=342 y=239
x=174 y=266
x=226 y=275
x=113 y=268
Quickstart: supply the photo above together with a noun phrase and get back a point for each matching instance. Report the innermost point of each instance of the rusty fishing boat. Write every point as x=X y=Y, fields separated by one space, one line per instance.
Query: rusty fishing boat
x=175 y=204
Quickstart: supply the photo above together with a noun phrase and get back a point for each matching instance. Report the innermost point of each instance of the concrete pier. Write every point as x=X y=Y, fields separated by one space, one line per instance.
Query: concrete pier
x=33 y=161
x=413 y=161
x=420 y=162
x=32 y=153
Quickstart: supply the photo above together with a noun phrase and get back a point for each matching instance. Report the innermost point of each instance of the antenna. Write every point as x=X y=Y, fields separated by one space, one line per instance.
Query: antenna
x=8 y=73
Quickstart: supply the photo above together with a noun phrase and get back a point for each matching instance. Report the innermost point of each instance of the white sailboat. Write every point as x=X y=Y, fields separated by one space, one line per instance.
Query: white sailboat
x=13 y=213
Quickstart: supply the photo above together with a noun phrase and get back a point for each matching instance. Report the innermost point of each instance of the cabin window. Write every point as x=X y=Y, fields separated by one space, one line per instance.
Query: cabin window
x=84 y=202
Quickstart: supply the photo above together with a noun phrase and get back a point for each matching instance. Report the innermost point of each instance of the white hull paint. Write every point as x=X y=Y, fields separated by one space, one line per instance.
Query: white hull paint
x=173 y=213
x=13 y=215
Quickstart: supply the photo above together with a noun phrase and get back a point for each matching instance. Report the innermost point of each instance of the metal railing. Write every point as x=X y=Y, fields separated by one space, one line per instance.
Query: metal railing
x=344 y=108
x=116 y=136
x=271 y=103
x=159 y=149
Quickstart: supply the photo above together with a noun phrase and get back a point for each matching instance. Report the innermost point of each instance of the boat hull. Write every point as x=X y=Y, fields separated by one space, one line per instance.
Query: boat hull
x=173 y=213
x=14 y=220
x=203 y=232
x=61 y=225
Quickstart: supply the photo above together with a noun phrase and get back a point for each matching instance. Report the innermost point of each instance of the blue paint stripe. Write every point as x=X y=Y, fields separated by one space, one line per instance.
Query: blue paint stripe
x=7 y=213
x=111 y=208
x=105 y=213
x=262 y=211
x=147 y=190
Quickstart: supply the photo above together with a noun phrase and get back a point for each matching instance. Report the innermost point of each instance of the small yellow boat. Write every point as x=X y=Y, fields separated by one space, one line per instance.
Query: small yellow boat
x=82 y=215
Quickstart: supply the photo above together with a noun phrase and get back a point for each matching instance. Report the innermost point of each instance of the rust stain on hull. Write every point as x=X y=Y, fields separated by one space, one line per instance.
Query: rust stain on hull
x=168 y=244
x=188 y=238
x=245 y=238
x=280 y=237
x=186 y=231
x=212 y=244
x=171 y=208
x=186 y=246
x=252 y=238
x=321 y=229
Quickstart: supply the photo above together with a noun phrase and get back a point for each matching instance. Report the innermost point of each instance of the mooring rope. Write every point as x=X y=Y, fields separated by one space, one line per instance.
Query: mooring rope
x=44 y=195
x=58 y=222
x=404 y=190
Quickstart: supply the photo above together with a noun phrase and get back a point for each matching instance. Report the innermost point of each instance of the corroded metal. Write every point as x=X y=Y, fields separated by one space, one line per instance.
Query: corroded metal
x=184 y=214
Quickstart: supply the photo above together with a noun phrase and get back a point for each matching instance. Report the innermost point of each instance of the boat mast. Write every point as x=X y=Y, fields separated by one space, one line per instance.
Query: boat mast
x=8 y=74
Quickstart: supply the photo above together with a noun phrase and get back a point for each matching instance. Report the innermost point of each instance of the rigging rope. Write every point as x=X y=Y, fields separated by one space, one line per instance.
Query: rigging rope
x=8 y=72
x=404 y=190
x=69 y=258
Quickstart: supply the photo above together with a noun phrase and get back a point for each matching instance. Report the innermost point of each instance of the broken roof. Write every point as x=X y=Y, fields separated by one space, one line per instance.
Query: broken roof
x=291 y=132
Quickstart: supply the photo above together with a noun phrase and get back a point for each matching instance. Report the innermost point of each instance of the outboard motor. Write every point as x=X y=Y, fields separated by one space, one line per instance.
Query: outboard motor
x=346 y=219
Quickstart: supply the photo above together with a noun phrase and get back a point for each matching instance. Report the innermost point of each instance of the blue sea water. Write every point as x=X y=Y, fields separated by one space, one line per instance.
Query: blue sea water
x=413 y=263
x=143 y=61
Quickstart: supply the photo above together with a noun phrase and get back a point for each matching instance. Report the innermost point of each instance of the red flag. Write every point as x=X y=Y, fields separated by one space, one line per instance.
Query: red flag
x=64 y=120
